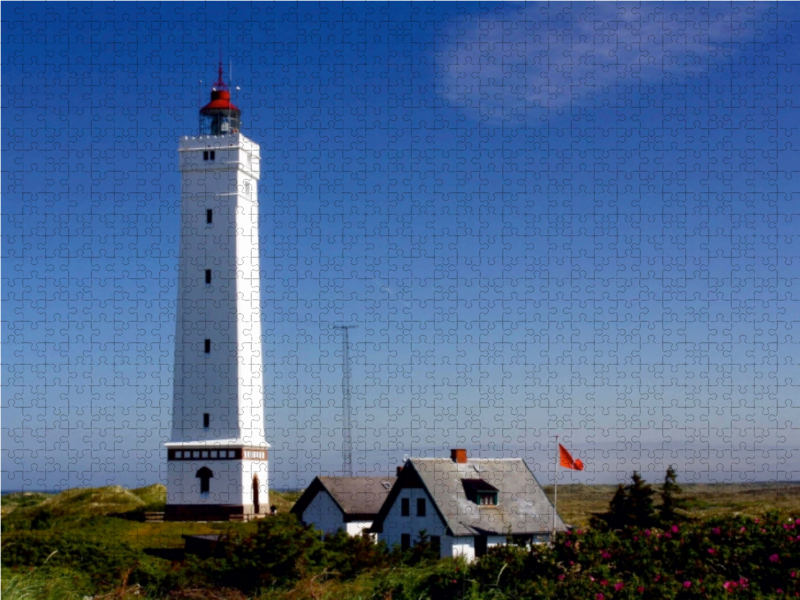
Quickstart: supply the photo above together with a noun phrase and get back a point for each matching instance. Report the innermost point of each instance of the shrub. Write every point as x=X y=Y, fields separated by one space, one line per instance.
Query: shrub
x=280 y=552
x=349 y=556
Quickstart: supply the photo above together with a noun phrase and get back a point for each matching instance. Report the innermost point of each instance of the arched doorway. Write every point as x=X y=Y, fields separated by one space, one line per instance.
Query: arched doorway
x=256 y=506
x=205 y=475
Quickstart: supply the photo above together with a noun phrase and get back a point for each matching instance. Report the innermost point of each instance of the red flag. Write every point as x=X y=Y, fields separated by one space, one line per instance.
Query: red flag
x=567 y=461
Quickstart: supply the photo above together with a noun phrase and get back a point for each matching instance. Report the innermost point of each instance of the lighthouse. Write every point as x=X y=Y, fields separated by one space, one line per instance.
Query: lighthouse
x=217 y=456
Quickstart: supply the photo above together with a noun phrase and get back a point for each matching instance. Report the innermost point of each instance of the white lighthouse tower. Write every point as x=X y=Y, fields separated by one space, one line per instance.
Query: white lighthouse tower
x=217 y=455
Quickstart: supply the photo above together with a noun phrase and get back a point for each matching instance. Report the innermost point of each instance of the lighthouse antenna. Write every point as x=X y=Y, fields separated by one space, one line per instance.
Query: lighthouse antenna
x=220 y=84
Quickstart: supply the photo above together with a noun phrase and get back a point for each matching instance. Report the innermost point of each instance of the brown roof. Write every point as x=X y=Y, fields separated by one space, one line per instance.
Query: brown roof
x=358 y=497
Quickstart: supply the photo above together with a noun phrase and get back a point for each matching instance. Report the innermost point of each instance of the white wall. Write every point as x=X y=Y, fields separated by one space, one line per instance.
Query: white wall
x=458 y=546
x=228 y=382
x=395 y=525
x=355 y=528
x=324 y=514
x=232 y=482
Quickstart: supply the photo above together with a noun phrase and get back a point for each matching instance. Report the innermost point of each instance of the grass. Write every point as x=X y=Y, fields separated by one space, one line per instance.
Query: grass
x=576 y=503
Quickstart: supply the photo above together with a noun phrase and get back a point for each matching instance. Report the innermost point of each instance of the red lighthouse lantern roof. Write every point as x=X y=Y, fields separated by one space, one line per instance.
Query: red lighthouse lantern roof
x=220 y=100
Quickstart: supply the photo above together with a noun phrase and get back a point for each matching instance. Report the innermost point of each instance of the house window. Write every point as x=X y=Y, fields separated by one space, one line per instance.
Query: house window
x=480 y=492
x=420 y=507
x=405 y=507
x=209 y=216
x=205 y=475
x=206 y=420
x=405 y=541
x=208 y=275
x=208 y=154
x=208 y=346
x=487 y=498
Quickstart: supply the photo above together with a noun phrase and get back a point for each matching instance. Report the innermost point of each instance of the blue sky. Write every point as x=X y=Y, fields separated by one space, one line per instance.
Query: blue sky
x=546 y=219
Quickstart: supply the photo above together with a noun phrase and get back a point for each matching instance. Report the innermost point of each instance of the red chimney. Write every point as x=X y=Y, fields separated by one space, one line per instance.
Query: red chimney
x=458 y=455
x=398 y=471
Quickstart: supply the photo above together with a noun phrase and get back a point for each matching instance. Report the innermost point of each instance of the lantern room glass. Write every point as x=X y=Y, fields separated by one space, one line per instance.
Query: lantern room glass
x=221 y=122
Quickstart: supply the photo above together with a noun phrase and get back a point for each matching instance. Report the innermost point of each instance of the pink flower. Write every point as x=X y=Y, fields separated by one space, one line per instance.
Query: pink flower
x=729 y=586
x=618 y=586
x=687 y=584
x=568 y=543
x=636 y=538
x=715 y=531
x=646 y=533
x=774 y=558
x=599 y=597
x=675 y=529
x=793 y=574
x=711 y=551
x=605 y=554
x=640 y=589
x=604 y=582
x=742 y=530
x=743 y=582
x=561 y=577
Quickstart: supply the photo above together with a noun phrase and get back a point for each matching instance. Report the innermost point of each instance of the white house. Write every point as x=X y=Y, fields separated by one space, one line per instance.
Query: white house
x=346 y=503
x=466 y=505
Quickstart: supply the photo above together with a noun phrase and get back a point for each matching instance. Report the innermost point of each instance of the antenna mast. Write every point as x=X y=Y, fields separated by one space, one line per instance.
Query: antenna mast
x=347 y=441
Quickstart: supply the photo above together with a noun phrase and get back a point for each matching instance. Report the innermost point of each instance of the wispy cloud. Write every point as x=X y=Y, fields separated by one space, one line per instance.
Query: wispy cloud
x=556 y=55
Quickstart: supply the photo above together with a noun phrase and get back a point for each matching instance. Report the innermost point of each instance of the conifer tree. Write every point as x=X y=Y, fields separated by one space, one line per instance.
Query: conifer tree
x=670 y=502
x=618 y=514
x=640 y=502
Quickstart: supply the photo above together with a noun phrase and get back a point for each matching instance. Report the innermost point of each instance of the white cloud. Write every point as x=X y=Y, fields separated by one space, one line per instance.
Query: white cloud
x=554 y=56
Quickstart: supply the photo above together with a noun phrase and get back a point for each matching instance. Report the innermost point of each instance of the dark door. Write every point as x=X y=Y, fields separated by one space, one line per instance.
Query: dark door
x=480 y=545
x=256 y=507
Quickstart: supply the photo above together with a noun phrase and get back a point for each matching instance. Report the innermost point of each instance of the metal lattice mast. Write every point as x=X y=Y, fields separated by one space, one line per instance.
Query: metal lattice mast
x=347 y=438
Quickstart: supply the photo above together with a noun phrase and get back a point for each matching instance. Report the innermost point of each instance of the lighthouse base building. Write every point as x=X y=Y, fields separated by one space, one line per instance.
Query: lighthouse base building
x=217 y=457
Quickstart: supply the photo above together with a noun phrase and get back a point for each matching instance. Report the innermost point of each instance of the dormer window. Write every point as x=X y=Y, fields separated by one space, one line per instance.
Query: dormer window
x=480 y=492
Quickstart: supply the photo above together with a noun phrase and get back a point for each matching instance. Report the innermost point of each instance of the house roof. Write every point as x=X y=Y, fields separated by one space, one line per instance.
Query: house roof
x=522 y=505
x=357 y=497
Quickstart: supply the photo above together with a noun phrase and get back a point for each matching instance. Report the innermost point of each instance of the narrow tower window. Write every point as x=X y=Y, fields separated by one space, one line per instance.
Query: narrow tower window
x=208 y=275
x=208 y=347
x=208 y=154
x=405 y=510
x=206 y=420
x=209 y=216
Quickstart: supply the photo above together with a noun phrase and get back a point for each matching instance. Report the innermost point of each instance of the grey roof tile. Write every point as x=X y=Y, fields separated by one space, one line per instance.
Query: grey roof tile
x=522 y=505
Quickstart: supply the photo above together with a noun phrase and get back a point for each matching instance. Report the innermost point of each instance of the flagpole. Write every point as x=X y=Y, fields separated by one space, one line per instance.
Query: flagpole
x=555 y=492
